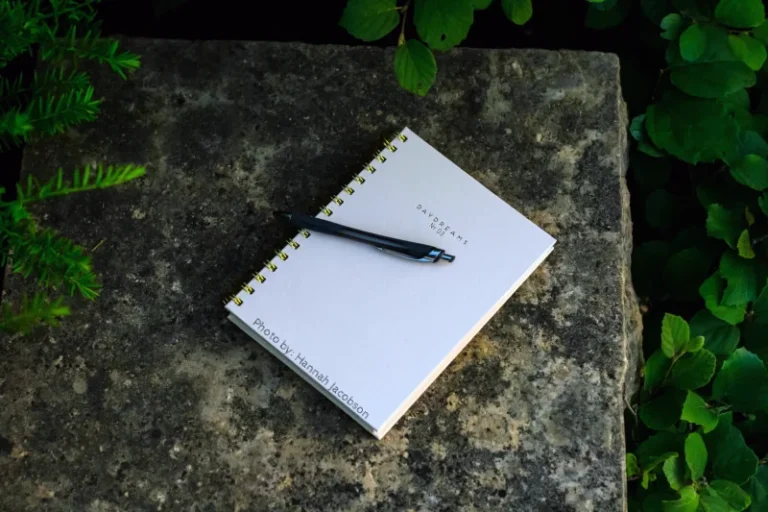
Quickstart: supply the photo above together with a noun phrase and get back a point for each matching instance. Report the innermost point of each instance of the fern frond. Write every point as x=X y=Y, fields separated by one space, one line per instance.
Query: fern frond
x=15 y=126
x=52 y=114
x=89 y=47
x=52 y=81
x=32 y=312
x=90 y=178
x=53 y=260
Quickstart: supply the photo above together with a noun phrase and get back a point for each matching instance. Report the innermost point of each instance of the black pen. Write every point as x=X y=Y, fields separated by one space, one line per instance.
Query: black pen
x=411 y=250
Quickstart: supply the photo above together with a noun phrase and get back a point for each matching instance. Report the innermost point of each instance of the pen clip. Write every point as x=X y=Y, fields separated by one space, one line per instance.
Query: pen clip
x=431 y=257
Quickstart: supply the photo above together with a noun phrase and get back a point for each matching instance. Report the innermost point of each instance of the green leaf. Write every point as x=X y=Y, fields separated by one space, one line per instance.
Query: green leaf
x=750 y=51
x=736 y=498
x=761 y=33
x=659 y=444
x=695 y=344
x=636 y=127
x=762 y=202
x=730 y=456
x=693 y=42
x=649 y=149
x=482 y=4
x=744 y=246
x=712 y=502
x=633 y=468
x=757 y=487
x=741 y=277
x=696 y=410
x=751 y=171
x=671 y=25
x=688 y=502
x=695 y=455
x=674 y=470
x=648 y=261
x=692 y=129
x=664 y=411
x=655 y=370
x=693 y=371
x=652 y=464
x=752 y=143
x=711 y=290
x=655 y=10
x=755 y=338
x=661 y=208
x=724 y=224
x=716 y=73
x=740 y=13
x=601 y=18
x=675 y=334
x=443 y=24
x=415 y=67
x=518 y=11
x=742 y=382
x=685 y=271
x=369 y=20
x=720 y=338
x=760 y=307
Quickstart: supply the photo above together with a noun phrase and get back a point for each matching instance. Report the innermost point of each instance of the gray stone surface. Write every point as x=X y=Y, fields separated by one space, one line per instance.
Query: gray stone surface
x=148 y=399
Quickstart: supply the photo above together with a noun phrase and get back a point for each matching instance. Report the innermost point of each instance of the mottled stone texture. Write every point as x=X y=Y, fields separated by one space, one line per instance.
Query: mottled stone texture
x=149 y=399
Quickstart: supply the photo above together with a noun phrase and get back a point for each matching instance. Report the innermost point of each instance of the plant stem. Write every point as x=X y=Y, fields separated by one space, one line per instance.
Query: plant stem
x=404 y=14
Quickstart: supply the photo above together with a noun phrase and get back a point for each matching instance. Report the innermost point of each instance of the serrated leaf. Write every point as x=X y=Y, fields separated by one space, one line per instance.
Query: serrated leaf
x=661 y=208
x=696 y=410
x=415 y=67
x=671 y=26
x=663 y=411
x=750 y=51
x=692 y=42
x=733 y=495
x=761 y=33
x=695 y=344
x=692 y=129
x=741 y=277
x=482 y=4
x=711 y=290
x=633 y=468
x=740 y=13
x=675 y=334
x=674 y=471
x=688 y=501
x=693 y=371
x=757 y=487
x=720 y=337
x=369 y=20
x=742 y=382
x=443 y=24
x=695 y=455
x=731 y=458
x=744 y=246
x=724 y=224
x=655 y=370
x=751 y=171
x=518 y=11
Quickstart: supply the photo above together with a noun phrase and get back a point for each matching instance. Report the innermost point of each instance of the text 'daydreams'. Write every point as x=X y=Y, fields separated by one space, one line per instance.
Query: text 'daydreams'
x=301 y=361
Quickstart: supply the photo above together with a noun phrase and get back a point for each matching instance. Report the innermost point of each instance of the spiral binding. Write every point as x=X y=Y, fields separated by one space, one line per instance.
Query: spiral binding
x=270 y=266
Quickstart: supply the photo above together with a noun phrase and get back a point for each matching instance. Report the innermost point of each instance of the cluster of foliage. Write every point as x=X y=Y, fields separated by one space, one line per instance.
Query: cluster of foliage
x=64 y=34
x=697 y=436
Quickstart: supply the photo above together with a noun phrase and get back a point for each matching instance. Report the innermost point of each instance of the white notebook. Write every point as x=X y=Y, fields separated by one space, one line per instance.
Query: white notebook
x=372 y=331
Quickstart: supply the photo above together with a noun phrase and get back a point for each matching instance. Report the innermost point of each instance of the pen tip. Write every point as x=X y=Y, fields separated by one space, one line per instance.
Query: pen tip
x=285 y=215
x=447 y=257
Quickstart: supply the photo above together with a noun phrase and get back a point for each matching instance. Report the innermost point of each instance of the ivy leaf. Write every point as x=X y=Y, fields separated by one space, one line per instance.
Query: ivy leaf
x=674 y=470
x=633 y=468
x=711 y=290
x=731 y=458
x=675 y=334
x=740 y=13
x=443 y=24
x=712 y=502
x=717 y=72
x=757 y=487
x=693 y=371
x=369 y=20
x=736 y=498
x=744 y=246
x=661 y=208
x=692 y=129
x=693 y=42
x=518 y=11
x=415 y=67
x=751 y=171
x=750 y=51
x=655 y=370
x=695 y=455
x=688 y=502
x=696 y=410
x=761 y=33
x=672 y=25
x=664 y=411
x=742 y=382
x=741 y=277
x=482 y=4
x=720 y=338
x=724 y=224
